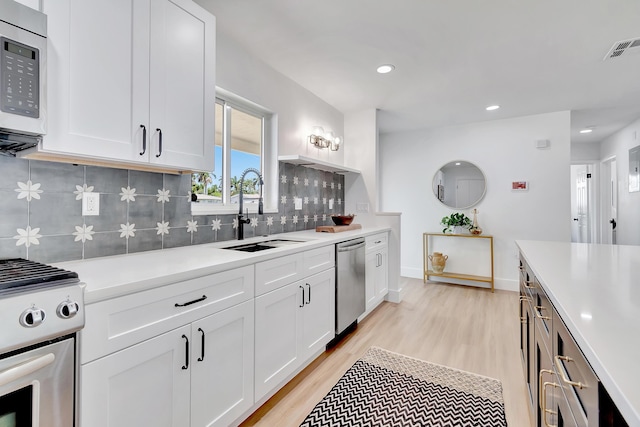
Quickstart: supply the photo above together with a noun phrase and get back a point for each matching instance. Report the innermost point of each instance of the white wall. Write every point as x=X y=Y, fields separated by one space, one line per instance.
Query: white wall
x=361 y=152
x=585 y=152
x=298 y=109
x=505 y=150
x=618 y=145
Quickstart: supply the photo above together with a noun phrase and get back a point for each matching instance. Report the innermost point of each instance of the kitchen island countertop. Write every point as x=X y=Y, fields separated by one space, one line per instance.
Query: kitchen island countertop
x=596 y=291
x=113 y=276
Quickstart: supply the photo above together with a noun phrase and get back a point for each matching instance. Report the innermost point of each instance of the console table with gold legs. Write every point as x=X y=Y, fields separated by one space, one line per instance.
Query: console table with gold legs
x=449 y=274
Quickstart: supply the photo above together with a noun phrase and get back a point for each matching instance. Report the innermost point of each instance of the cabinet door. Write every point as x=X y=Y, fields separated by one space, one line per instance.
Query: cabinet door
x=370 y=280
x=144 y=385
x=222 y=366
x=277 y=335
x=98 y=71
x=182 y=83
x=382 y=275
x=318 y=314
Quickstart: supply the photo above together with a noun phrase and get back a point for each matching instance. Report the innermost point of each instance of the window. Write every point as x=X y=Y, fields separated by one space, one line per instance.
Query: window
x=243 y=139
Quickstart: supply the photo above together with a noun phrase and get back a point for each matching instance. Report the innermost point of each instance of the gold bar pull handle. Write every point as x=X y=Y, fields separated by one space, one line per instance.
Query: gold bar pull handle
x=546 y=411
x=527 y=283
x=523 y=298
x=542 y=396
x=539 y=314
x=563 y=372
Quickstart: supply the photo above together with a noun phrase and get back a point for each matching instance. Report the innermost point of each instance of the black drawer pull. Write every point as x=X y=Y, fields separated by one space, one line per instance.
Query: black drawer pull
x=144 y=139
x=186 y=349
x=204 y=297
x=302 y=304
x=201 y=358
x=159 y=142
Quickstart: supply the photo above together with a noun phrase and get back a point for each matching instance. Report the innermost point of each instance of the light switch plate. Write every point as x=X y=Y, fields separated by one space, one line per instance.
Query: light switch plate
x=297 y=201
x=90 y=204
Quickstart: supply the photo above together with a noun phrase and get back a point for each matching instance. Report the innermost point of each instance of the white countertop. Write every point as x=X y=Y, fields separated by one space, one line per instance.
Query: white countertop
x=113 y=276
x=596 y=291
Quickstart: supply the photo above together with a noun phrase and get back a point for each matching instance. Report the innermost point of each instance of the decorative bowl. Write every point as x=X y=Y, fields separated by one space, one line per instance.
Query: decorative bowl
x=342 y=219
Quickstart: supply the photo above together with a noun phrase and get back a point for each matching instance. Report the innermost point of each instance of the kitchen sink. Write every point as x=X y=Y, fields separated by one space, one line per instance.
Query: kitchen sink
x=263 y=246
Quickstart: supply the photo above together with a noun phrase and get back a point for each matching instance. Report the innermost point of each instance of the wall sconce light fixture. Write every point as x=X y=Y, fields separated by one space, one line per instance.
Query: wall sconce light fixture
x=322 y=139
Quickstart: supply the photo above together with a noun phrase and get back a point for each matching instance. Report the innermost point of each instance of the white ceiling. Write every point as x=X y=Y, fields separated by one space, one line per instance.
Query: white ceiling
x=452 y=57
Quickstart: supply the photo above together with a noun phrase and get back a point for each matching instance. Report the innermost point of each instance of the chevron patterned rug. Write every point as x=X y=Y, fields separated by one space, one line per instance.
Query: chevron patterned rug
x=391 y=390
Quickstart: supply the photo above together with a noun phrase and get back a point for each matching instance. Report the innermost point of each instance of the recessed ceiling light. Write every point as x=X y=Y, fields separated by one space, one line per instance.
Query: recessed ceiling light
x=457 y=163
x=386 y=68
x=586 y=131
x=492 y=107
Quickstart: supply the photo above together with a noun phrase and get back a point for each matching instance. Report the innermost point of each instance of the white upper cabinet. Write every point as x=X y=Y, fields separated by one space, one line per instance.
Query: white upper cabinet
x=132 y=81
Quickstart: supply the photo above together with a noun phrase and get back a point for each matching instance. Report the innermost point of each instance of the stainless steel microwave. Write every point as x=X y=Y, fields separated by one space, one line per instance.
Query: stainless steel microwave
x=23 y=71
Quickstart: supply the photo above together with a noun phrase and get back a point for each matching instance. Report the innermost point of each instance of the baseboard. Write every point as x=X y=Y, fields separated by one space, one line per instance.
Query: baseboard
x=394 y=295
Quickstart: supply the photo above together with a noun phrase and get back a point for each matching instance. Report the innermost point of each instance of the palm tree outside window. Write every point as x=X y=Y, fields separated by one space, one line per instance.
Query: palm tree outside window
x=239 y=144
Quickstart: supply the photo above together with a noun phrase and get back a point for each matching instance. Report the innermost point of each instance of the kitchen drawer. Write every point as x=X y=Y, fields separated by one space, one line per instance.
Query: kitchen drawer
x=543 y=314
x=376 y=241
x=317 y=260
x=118 y=323
x=571 y=366
x=277 y=272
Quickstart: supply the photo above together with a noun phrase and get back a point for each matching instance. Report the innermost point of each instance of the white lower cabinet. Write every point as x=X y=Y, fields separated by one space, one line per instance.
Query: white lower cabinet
x=376 y=270
x=197 y=375
x=222 y=370
x=204 y=352
x=143 y=385
x=293 y=323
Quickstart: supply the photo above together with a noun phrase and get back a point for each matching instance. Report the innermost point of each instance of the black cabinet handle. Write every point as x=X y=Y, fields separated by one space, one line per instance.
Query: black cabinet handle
x=186 y=349
x=184 y=304
x=201 y=358
x=302 y=304
x=159 y=143
x=144 y=139
x=309 y=297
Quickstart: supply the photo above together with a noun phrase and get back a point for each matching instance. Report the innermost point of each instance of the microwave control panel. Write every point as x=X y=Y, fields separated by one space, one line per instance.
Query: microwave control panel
x=20 y=78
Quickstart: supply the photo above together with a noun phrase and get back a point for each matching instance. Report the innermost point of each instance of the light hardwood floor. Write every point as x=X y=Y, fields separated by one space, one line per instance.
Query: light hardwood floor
x=461 y=327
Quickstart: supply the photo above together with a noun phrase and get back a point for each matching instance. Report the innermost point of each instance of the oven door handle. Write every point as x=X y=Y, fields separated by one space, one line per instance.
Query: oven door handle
x=25 y=369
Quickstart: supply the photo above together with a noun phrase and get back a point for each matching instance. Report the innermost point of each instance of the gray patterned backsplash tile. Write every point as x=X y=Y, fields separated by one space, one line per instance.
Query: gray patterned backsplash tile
x=56 y=177
x=41 y=210
x=105 y=244
x=13 y=171
x=106 y=180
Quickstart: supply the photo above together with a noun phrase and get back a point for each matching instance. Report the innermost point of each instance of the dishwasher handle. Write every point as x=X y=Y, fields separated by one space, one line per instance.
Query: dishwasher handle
x=350 y=247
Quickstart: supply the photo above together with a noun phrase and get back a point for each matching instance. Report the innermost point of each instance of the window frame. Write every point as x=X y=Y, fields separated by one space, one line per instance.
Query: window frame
x=268 y=158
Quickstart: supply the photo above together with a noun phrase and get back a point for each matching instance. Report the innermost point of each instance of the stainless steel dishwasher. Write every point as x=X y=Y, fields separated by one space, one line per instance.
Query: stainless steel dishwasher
x=350 y=294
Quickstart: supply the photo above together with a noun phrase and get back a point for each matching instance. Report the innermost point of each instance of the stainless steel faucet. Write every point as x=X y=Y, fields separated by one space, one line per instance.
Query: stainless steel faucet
x=241 y=219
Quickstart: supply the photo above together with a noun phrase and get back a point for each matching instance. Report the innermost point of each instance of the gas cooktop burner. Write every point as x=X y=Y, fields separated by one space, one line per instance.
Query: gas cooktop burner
x=18 y=274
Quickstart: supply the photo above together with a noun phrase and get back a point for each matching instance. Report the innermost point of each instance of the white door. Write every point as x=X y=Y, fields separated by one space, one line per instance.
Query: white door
x=222 y=366
x=277 y=334
x=580 y=204
x=609 y=201
x=147 y=384
x=98 y=73
x=182 y=83
x=318 y=314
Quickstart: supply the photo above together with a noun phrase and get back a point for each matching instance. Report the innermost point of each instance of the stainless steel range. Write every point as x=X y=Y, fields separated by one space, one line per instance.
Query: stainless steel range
x=41 y=309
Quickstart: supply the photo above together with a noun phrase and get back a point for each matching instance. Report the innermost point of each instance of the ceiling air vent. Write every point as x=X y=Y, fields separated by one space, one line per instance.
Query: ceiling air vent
x=624 y=47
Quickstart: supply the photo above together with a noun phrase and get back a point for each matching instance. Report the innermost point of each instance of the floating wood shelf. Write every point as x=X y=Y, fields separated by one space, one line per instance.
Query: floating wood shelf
x=454 y=275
